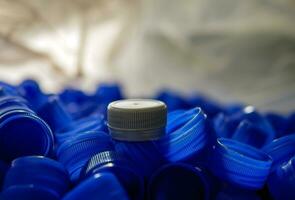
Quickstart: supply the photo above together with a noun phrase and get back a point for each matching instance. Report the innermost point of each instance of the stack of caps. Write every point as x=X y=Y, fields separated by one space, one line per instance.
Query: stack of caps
x=18 y=123
x=135 y=155
x=75 y=152
x=33 y=176
x=136 y=125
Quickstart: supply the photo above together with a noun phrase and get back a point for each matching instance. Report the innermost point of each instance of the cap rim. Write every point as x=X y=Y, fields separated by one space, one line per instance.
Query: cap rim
x=137 y=135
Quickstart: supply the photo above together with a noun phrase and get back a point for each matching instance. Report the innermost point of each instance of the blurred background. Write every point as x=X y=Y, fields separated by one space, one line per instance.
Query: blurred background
x=233 y=51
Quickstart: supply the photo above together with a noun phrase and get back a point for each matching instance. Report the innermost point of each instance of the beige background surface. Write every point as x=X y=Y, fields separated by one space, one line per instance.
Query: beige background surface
x=232 y=50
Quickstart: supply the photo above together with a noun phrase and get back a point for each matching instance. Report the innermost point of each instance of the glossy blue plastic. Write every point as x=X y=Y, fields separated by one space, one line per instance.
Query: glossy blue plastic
x=280 y=150
x=71 y=95
x=22 y=132
x=79 y=127
x=76 y=102
x=38 y=171
x=28 y=192
x=75 y=152
x=233 y=193
x=209 y=106
x=145 y=156
x=107 y=93
x=291 y=124
x=281 y=183
x=104 y=186
x=232 y=108
x=30 y=90
x=54 y=114
x=239 y=164
x=88 y=108
x=251 y=134
x=253 y=128
x=111 y=162
x=6 y=85
x=222 y=126
x=278 y=122
x=173 y=100
x=185 y=135
x=3 y=169
x=178 y=181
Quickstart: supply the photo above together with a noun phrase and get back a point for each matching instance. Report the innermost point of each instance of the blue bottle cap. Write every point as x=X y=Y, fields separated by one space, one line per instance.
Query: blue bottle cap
x=75 y=153
x=278 y=122
x=89 y=108
x=281 y=183
x=280 y=150
x=8 y=96
x=173 y=100
x=9 y=100
x=102 y=186
x=226 y=125
x=108 y=92
x=101 y=159
x=240 y=164
x=209 y=106
x=178 y=181
x=23 y=133
x=222 y=126
x=145 y=156
x=3 y=169
x=28 y=192
x=233 y=108
x=38 y=170
x=7 y=90
x=82 y=126
x=6 y=85
x=30 y=90
x=72 y=95
x=110 y=161
x=186 y=135
x=77 y=103
x=291 y=124
x=230 y=193
x=251 y=134
x=11 y=103
x=54 y=114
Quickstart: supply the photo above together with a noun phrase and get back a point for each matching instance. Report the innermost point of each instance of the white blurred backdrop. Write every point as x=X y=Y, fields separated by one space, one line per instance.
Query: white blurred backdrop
x=231 y=50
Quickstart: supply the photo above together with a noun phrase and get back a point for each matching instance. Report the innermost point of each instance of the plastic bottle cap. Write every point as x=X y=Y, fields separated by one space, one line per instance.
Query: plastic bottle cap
x=86 y=124
x=100 y=186
x=75 y=152
x=281 y=183
x=3 y=169
x=280 y=150
x=185 y=135
x=178 y=181
x=240 y=164
x=28 y=192
x=101 y=159
x=38 y=170
x=24 y=133
x=112 y=162
x=54 y=114
x=137 y=119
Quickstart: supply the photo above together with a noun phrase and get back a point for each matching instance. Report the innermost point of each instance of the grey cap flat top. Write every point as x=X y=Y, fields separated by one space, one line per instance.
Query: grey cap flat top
x=136 y=119
x=137 y=104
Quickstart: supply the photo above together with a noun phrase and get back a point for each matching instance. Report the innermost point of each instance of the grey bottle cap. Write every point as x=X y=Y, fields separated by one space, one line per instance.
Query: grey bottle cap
x=137 y=119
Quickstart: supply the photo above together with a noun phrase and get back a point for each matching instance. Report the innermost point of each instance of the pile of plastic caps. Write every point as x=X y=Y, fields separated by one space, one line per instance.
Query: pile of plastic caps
x=68 y=146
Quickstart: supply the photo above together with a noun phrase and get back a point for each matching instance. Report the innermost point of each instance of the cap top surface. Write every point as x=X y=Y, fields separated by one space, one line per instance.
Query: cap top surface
x=137 y=104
